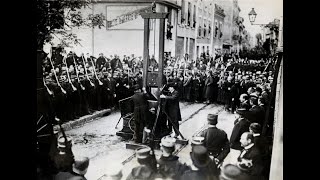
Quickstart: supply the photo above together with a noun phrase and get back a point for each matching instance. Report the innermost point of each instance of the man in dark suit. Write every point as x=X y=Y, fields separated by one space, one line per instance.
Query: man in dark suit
x=79 y=169
x=263 y=145
x=244 y=101
x=140 y=101
x=172 y=108
x=252 y=154
x=255 y=113
x=101 y=61
x=241 y=125
x=215 y=140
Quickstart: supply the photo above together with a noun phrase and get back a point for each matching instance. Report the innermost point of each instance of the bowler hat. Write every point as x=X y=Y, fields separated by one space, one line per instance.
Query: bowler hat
x=200 y=156
x=230 y=172
x=168 y=141
x=212 y=118
x=81 y=165
x=143 y=152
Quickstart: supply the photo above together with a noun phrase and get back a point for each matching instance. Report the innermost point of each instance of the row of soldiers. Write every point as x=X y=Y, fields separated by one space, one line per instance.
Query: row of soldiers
x=80 y=85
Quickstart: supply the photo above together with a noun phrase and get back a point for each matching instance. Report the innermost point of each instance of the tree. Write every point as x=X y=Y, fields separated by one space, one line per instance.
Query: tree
x=54 y=16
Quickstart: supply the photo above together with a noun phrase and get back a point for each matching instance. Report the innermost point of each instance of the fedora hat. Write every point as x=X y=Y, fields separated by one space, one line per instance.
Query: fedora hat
x=200 y=156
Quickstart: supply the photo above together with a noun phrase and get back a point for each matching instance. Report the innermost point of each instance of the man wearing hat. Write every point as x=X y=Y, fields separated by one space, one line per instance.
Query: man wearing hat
x=241 y=125
x=263 y=145
x=64 y=157
x=172 y=108
x=203 y=167
x=169 y=164
x=215 y=139
x=255 y=113
x=79 y=169
x=141 y=113
x=146 y=169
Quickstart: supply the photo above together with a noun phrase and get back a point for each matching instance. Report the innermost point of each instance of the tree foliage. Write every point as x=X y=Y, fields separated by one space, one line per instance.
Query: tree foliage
x=54 y=17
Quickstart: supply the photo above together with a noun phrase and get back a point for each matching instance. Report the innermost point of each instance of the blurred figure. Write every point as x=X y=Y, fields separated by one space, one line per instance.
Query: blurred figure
x=169 y=164
x=146 y=169
x=79 y=169
x=203 y=167
x=241 y=125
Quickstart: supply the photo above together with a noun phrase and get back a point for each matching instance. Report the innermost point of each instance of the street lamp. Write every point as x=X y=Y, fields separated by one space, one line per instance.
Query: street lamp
x=252 y=17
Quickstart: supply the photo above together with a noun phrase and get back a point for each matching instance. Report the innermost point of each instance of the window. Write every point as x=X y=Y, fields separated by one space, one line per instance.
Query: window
x=216 y=28
x=189 y=14
x=182 y=11
x=220 y=27
x=194 y=16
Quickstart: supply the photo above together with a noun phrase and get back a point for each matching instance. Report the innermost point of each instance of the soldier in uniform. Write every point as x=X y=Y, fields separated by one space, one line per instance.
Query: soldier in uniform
x=169 y=164
x=79 y=169
x=203 y=167
x=216 y=140
x=147 y=165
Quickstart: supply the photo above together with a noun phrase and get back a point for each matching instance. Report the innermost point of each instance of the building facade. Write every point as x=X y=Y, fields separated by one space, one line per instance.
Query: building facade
x=123 y=29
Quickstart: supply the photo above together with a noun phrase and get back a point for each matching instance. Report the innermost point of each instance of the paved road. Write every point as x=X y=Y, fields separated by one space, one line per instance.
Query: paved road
x=105 y=149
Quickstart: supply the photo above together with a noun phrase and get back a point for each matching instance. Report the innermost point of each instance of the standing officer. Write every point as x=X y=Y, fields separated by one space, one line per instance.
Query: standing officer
x=172 y=108
x=215 y=140
x=140 y=112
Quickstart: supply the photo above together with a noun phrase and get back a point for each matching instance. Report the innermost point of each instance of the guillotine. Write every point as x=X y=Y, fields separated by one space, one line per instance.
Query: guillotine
x=154 y=79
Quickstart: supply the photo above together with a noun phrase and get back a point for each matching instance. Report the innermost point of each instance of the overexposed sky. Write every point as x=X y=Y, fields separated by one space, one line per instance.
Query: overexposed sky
x=267 y=11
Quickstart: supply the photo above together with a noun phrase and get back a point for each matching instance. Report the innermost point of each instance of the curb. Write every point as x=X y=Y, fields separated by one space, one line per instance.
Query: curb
x=83 y=120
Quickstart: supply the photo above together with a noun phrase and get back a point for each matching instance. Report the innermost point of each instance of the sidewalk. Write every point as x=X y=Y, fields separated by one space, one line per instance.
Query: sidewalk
x=84 y=119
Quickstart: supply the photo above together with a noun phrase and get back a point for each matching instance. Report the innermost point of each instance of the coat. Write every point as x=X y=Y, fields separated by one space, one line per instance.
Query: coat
x=69 y=176
x=256 y=114
x=170 y=167
x=240 y=127
x=172 y=106
x=141 y=172
x=253 y=154
x=216 y=141
x=208 y=87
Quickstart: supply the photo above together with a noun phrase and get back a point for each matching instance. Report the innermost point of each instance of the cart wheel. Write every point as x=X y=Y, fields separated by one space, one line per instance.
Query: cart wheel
x=132 y=125
x=43 y=133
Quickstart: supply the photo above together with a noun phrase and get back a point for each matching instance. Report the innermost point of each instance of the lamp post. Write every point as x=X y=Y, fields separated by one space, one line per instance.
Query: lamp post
x=252 y=17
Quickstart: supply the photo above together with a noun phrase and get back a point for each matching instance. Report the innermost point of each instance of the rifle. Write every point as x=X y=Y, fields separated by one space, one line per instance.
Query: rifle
x=85 y=68
x=68 y=75
x=55 y=75
x=77 y=73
